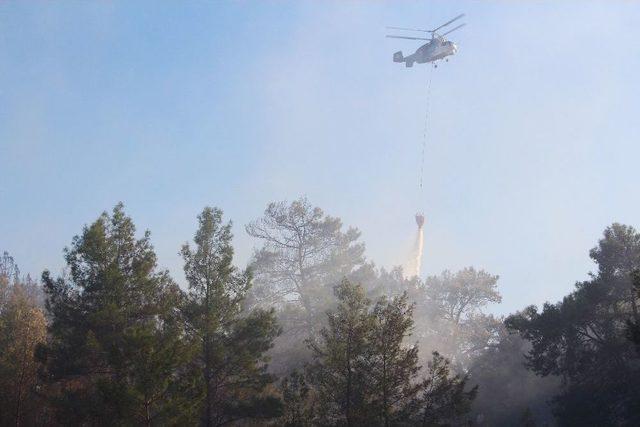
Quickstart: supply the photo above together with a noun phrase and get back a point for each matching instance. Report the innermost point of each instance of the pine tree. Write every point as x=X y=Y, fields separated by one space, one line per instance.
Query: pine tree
x=114 y=345
x=304 y=254
x=297 y=400
x=390 y=366
x=337 y=373
x=450 y=314
x=441 y=397
x=633 y=324
x=584 y=338
x=22 y=329
x=364 y=374
x=231 y=359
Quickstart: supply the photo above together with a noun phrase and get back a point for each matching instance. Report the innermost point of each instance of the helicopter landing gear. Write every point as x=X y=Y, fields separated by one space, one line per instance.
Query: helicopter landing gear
x=435 y=65
x=446 y=60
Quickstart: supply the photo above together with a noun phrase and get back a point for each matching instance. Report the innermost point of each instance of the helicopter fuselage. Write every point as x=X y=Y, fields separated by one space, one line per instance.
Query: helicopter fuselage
x=432 y=51
x=436 y=48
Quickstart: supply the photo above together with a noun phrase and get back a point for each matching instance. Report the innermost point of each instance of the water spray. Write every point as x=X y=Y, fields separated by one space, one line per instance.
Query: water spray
x=419 y=243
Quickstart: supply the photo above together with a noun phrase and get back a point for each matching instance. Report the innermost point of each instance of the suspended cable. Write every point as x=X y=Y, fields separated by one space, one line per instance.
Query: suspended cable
x=424 y=130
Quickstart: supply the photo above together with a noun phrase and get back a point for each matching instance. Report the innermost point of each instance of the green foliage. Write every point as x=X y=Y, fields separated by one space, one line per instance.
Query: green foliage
x=339 y=353
x=449 y=310
x=304 y=253
x=22 y=329
x=633 y=325
x=126 y=346
x=115 y=334
x=507 y=388
x=583 y=339
x=230 y=366
x=364 y=373
x=441 y=398
x=299 y=409
x=389 y=365
x=452 y=311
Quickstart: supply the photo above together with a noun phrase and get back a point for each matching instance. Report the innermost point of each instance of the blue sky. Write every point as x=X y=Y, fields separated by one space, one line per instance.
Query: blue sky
x=170 y=106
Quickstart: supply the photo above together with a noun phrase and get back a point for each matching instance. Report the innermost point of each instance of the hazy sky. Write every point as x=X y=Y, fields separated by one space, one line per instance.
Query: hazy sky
x=170 y=106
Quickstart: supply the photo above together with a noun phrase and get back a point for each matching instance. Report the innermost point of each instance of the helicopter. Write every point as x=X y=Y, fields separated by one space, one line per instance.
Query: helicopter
x=437 y=47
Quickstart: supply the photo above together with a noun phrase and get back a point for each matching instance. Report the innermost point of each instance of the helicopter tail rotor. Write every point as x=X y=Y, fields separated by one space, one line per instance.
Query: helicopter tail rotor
x=398 y=57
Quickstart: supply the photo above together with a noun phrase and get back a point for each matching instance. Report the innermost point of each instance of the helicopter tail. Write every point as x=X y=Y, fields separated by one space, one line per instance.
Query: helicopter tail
x=397 y=57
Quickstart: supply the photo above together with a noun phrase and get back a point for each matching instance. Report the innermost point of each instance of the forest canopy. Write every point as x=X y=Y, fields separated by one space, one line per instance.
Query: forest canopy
x=309 y=333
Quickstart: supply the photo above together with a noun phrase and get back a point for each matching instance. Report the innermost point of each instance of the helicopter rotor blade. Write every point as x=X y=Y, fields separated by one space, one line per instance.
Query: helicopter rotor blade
x=408 y=38
x=447 y=23
x=453 y=29
x=408 y=29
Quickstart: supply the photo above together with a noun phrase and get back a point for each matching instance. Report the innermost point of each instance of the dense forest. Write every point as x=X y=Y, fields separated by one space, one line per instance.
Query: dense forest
x=310 y=333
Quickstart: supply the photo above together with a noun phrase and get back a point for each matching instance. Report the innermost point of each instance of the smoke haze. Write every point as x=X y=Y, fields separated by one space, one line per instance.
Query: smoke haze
x=528 y=127
x=531 y=151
